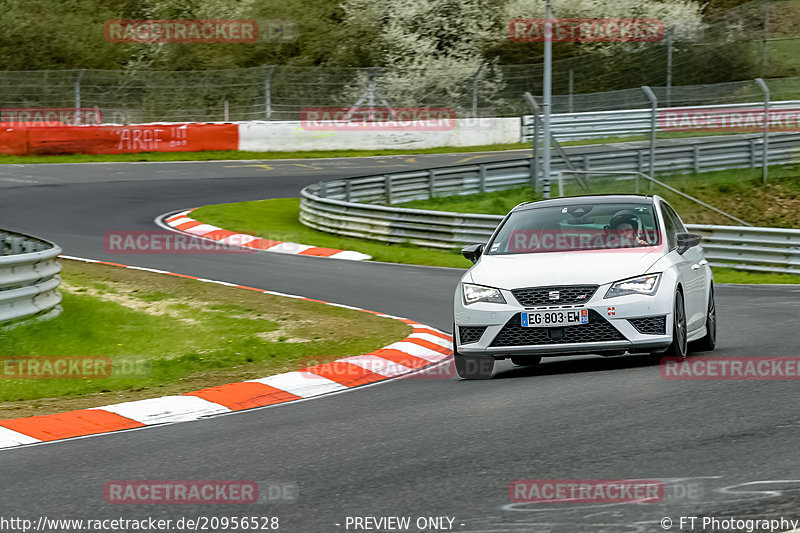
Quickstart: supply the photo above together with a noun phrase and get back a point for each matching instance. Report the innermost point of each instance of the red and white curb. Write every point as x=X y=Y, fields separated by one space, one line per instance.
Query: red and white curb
x=185 y=224
x=425 y=347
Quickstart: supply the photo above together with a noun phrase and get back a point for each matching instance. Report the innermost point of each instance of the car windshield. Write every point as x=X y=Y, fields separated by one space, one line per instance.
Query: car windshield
x=577 y=227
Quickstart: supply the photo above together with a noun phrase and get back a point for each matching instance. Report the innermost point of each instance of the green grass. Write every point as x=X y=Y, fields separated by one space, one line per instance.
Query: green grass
x=277 y=219
x=236 y=155
x=173 y=335
x=731 y=275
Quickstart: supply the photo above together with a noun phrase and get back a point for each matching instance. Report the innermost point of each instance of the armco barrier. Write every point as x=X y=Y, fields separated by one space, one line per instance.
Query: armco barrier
x=29 y=277
x=118 y=139
x=598 y=124
x=347 y=207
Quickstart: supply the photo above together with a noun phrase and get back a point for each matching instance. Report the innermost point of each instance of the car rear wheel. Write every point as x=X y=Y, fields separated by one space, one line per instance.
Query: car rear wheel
x=679 y=346
x=709 y=342
x=531 y=360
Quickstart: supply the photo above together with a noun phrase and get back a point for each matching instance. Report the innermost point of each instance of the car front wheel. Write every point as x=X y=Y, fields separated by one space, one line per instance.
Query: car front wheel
x=679 y=346
x=709 y=342
x=474 y=366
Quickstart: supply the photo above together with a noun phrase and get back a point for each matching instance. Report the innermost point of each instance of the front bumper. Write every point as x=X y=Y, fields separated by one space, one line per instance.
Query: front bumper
x=609 y=330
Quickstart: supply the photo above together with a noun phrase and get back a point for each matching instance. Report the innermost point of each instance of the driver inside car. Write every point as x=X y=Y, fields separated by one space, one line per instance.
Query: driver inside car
x=626 y=224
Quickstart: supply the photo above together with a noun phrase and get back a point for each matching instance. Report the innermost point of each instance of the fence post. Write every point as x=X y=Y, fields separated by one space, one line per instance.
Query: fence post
x=268 y=93
x=78 y=96
x=653 y=120
x=482 y=178
x=696 y=158
x=670 y=35
x=431 y=184
x=765 y=163
x=571 y=88
x=765 y=40
x=535 y=183
x=546 y=187
x=226 y=114
x=752 y=153
x=388 y=188
x=475 y=91
x=348 y=190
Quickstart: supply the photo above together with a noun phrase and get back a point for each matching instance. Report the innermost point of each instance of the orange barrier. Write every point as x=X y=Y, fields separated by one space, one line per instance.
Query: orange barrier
x=118 y=139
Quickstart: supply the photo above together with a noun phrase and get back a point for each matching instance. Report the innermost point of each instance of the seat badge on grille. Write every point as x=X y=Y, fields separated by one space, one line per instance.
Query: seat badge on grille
x=553 y=295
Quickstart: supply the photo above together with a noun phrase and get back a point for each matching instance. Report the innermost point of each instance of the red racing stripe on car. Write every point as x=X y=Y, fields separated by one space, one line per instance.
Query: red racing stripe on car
x=70 y=424
x=245 y=395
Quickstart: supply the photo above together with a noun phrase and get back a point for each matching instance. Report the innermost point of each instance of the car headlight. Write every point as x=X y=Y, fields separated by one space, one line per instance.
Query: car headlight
x=646 y=285
x=479 y=293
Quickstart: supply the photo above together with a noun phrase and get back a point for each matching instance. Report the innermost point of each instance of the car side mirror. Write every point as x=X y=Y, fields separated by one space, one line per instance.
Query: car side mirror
x=472 y=252
x=686 y=241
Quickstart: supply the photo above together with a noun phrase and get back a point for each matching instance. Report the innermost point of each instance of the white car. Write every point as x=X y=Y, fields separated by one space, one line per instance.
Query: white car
x=583 y=275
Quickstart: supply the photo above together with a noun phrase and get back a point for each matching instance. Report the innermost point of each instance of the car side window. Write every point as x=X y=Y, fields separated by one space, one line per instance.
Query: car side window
x=670 y=226
x=680 y=228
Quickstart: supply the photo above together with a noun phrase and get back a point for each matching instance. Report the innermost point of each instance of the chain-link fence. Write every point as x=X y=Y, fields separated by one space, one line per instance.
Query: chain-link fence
x=756 y=39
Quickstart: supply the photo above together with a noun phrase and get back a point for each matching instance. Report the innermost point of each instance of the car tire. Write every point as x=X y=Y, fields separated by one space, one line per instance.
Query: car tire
x=474 y=366
x=709 y=341
x=679 y=346
x=530 y=360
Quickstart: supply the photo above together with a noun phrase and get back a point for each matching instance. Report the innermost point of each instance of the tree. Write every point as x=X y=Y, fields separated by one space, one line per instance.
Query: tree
x=429 y=50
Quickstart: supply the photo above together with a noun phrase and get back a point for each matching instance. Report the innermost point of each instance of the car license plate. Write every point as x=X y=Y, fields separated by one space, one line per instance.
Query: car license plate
x=551 y=319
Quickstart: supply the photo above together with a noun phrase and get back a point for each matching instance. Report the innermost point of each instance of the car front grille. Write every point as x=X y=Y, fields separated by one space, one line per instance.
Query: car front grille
x=650 y=325
x=597 y=330
x=469 y=334
x=567 y=295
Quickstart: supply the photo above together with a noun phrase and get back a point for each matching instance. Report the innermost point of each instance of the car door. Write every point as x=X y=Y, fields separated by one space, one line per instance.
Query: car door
x=693 y=268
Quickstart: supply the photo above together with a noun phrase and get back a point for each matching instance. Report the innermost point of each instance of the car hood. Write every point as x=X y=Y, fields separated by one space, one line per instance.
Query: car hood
x=562 y=268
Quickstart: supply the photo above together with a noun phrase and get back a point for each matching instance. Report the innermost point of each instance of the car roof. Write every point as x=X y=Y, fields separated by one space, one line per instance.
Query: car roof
x=589 y=198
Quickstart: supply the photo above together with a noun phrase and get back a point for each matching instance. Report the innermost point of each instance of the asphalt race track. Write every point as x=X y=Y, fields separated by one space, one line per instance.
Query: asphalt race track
x=411 y=447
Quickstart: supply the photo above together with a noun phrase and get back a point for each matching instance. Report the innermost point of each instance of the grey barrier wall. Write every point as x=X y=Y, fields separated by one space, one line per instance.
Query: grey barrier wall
x=350 y=206
x=29 y=279
x=597 y=124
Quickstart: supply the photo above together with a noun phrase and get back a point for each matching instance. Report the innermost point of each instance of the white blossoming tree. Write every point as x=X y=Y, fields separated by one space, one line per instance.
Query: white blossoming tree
x=429 y=50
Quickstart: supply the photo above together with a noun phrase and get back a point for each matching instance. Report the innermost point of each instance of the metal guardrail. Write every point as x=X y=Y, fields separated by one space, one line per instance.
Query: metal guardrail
x=598 y=124
x=758 y=249
x=349 y=206
x=29 y=279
